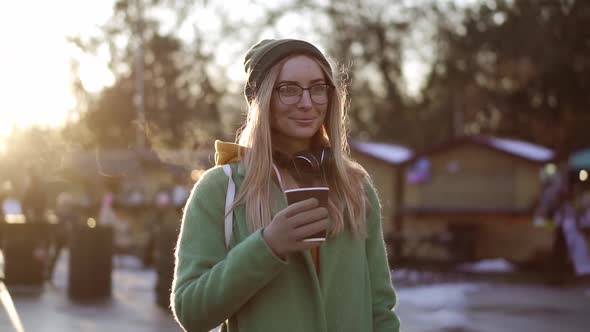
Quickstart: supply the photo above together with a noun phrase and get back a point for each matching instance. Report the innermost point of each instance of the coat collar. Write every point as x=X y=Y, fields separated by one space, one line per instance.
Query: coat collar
x=228 y=153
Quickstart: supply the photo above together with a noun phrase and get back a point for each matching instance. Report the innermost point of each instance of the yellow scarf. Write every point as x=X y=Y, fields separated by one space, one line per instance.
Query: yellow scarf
x=226 y=152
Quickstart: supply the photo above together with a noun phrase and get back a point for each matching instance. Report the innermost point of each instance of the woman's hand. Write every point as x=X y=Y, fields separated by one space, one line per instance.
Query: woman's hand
x=291 y=225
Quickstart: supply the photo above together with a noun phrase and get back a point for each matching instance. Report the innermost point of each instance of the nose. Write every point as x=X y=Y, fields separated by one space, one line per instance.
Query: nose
x=305 y=101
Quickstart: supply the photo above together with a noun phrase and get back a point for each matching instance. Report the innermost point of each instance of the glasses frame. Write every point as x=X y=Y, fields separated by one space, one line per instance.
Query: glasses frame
x=329 y=89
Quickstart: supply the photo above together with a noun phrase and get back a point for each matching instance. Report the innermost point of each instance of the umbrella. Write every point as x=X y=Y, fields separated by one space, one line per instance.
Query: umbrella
x=580 y=160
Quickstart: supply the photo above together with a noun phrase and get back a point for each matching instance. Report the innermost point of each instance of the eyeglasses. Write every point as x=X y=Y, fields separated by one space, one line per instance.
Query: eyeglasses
x=290 y=94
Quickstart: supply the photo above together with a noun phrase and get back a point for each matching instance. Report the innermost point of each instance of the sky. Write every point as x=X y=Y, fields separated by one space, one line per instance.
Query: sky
x=35 y=60
x=35 y=79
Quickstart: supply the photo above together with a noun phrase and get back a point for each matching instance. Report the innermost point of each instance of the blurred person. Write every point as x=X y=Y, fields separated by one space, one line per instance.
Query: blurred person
x=162 y=203
x=67 y=217
x=35 y=208
x=562 y=211
x=165 y=233
x=552 y=206
x=584 y=221
x=34 y=201
x=270 y=279
x=109 y=217
x=570 y=243
x=106 y=214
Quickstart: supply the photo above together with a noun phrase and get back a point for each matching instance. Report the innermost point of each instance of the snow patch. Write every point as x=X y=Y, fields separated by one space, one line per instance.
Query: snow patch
x=437 y=296
x=392 y=153
x=443 y=304
x=523 y=149
x=488 y=265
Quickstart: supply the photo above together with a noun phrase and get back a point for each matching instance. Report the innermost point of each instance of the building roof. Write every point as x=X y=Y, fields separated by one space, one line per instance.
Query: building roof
x=388 y=152
x=519 y=149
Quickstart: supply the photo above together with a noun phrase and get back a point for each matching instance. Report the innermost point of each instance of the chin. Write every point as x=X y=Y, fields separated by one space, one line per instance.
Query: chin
x=304 y=133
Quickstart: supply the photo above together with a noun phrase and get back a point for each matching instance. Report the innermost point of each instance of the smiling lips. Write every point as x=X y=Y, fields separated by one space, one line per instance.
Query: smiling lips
x=304 y=122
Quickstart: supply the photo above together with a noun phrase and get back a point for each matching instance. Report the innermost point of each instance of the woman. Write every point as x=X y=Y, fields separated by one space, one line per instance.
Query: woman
x=270 y=279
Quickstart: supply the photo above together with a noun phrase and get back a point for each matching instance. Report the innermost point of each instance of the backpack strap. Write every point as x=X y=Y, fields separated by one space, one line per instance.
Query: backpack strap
x=229 y=200
x=278 y=174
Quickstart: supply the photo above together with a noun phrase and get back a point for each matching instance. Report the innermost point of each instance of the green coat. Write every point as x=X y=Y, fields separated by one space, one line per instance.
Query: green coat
x=260 y=292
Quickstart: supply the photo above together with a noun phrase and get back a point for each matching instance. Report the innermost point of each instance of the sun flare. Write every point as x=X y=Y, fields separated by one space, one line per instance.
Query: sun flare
x=36 y=79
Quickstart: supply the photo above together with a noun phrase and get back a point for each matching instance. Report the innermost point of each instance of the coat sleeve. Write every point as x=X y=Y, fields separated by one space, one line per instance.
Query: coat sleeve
x=211 y=284
x=383 y=294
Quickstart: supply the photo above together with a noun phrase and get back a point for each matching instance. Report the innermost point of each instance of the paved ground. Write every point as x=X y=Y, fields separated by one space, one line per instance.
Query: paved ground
x=131 y=308
x=426 y=304
x=485 y=307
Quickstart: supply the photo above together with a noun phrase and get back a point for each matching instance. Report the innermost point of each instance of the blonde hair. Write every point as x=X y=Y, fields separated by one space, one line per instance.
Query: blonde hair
x=347 y=177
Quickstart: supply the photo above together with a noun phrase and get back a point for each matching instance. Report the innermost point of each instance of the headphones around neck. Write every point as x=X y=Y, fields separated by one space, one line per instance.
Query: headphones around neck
x=306 y=166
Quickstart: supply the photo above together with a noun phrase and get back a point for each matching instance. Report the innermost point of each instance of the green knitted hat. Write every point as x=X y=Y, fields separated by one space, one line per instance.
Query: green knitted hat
x=262 y=56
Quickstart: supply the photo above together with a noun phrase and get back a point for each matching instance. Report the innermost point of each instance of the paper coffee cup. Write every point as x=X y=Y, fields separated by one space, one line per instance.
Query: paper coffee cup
x=301 y=194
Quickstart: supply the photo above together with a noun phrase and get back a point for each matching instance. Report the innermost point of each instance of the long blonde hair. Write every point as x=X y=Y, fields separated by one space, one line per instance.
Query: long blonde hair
x=347 y=177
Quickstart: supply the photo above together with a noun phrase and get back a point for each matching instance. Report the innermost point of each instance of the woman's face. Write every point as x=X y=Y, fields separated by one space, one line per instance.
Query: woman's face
x=294 y=125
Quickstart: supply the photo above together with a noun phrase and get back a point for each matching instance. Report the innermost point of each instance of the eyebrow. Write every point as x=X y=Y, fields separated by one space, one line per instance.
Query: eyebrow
x=295 y=82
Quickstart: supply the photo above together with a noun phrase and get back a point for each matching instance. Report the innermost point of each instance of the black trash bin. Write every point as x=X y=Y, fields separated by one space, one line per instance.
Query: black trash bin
x=25 y=247
x=90 y=266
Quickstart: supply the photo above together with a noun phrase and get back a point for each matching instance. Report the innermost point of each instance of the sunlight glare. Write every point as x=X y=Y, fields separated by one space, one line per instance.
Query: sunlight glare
x=94 y=73
x=36 y=78
x=2 y=146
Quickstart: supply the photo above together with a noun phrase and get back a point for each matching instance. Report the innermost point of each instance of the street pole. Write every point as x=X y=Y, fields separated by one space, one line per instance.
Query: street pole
x=139 y=82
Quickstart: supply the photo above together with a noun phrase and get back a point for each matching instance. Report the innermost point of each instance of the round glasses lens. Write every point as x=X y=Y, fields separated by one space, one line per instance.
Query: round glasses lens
x=319 y=99
x=319 y=93
x=290 y=94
